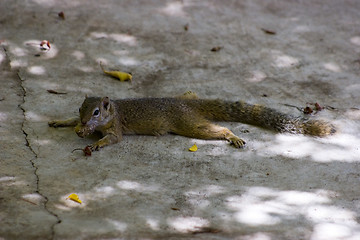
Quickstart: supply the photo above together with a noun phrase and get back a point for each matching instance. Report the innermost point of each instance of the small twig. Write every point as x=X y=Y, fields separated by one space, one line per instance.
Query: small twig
x=77 y=149
x=87 y=150
x=298 y=108
x=206 y=230
x=270 y=32
x=55 y=92
x=28 y=201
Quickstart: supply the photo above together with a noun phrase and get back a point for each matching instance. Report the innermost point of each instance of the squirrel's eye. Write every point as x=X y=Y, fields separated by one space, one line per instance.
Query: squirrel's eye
x=96 y=112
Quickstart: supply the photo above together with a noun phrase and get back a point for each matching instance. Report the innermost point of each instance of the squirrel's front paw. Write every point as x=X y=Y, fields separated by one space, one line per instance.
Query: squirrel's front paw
x=94 y=147
x=237 y=142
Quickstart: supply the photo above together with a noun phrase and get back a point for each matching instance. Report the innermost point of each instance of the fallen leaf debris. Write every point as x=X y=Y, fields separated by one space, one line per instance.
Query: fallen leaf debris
x=194 y=148
x=61 y=15
x=122 y=76
x=216 y=49
x=45 y=45
x=74 y=197
x=270 y=32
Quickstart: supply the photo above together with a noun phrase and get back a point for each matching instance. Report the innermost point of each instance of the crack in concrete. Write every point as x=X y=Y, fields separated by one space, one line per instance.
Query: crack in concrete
x=32 y=161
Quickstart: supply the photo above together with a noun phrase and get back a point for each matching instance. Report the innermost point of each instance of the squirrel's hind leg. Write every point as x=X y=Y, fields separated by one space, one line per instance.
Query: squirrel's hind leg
x=71 y=122
x=208 y=130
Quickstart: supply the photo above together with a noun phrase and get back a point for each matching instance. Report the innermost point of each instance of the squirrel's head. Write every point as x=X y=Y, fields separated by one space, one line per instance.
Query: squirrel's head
x=95 y=113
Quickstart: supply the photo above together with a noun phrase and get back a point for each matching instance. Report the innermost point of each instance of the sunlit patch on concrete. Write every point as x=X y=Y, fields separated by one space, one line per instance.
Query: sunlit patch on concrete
x=264 y=206
x=33 y=198
x=355 y=40
x=301 y=198
x=18 y=63
x=326 y=231
x=44 y=2
x=207 y=191
x=86 y=69
x=98 y=35
x=135 y=186
x=322 y=213
x=99 y=194
x=34 y=117
x=11 y=181
x=124 y=38
x=250 y=209
x=257 y=76
x=2 y=57
x=353 y=89
x=353 y=114
x=301 y=29
x=129 y=185
x=118 y=225
x=3 y=116
x=62 y=207
x=199 y=202
x=18 y=52
x=42 y=142
x=7 y=179
x=174 y=9
x=128 y=61
x=293 y=146
x=78 y=55
x=104 y=192
x=37 y=70
x=121 y=52
x=219 y=147
x=257 y=236
x=68 y=204
x=51 y=53
x=340 y=147
x=153 y=224
x=284 y=61
x=188 y=224
x=332 y=67
x=101 y=60
x=118 y=37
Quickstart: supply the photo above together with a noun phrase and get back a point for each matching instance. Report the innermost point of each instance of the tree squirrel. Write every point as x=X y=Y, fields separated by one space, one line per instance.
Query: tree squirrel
x=185 y=115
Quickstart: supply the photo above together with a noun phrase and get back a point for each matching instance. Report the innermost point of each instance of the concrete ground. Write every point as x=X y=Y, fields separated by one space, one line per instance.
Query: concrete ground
x=279 y=53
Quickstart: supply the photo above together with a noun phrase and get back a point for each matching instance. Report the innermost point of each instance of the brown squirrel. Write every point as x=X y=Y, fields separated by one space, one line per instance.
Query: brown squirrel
x=185 y=115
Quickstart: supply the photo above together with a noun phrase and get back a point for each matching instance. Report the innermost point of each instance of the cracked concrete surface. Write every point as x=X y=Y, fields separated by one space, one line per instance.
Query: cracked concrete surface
x=279 y=187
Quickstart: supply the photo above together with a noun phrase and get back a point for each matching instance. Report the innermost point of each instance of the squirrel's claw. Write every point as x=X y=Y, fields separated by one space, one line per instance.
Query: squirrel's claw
x=94 y=147
x=237 y=142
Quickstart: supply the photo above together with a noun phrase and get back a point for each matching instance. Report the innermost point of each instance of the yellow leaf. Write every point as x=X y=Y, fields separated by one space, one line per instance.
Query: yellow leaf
x=122 y=76
x=74 y=197
x=193 y=148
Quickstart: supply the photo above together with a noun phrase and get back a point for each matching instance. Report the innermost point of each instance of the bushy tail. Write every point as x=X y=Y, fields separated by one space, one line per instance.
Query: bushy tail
x=261 y=116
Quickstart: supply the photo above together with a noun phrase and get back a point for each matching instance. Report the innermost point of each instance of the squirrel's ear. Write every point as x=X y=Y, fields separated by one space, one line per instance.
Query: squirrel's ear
x=86 y=96
x=106 y=103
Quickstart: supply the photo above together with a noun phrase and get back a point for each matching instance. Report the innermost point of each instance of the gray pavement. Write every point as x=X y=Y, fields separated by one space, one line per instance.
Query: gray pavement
x=282 y=54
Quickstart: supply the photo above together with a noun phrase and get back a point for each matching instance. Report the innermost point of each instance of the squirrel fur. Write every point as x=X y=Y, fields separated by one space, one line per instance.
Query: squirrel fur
x=186 y=115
